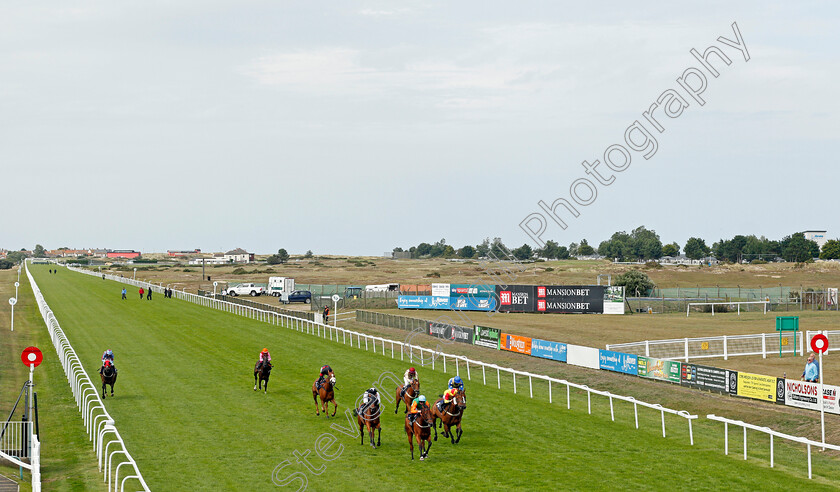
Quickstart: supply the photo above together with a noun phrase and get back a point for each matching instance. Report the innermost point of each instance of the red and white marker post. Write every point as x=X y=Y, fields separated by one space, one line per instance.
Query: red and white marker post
x=819 y=344
x=32 y=357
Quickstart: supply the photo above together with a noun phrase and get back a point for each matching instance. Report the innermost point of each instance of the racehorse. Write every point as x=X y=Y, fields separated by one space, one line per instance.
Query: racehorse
x=263 y=374
x=370 y=419
x=108 y=373
x=450 y=416
x=415 y=392
x=421 y=429
x=327 y=395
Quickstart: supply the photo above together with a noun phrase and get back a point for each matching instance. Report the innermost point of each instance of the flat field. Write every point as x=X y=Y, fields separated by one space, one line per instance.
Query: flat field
x=184 y=404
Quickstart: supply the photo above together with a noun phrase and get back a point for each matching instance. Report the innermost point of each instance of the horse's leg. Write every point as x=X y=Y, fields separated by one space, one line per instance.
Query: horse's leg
x=317 y=409
x=103 y=388
x=411 y=444
x=255 y=380
x=266 y=387
x=429 y=447
x=459 y=433
x=361 y=431
x=399 y=400
x=434 y=421
x=112 y=388
x=379 y=435
x=335 y=407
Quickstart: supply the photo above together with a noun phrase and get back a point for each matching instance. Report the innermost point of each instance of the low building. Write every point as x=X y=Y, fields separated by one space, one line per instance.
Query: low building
x=816 y=236
x=238 y=255
x=123 y=253
x=216 y=260
x=183 y=252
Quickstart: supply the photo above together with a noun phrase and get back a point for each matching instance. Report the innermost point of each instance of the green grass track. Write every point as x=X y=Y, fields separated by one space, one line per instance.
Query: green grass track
x=185 y=406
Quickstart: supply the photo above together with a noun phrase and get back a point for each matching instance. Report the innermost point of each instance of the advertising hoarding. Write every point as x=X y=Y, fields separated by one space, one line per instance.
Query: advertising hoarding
x=487 y=337
x=618 y=362
x=516 y=298
x=548 y=350
x=516 y=343
x=664 y=370
x=570 y=299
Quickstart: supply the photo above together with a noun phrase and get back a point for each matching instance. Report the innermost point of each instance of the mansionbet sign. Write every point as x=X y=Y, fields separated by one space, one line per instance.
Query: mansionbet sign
x=517 y=298
x=570 y=299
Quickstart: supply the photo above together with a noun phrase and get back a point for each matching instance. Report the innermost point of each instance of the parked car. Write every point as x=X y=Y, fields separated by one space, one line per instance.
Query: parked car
x=300 y=296
x=244 y=289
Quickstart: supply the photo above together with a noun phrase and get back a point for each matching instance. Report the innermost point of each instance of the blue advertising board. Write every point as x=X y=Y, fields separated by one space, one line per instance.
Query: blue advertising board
x=618 y=362
x=548 y=350
x=467 y=303
x=422 y=302
x=472 y=290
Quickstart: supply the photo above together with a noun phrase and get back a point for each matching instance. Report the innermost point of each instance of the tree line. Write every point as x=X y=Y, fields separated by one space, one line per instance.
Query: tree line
x=642 y=244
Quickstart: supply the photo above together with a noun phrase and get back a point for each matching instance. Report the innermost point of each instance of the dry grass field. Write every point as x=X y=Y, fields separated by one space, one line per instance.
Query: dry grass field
x=376 y=270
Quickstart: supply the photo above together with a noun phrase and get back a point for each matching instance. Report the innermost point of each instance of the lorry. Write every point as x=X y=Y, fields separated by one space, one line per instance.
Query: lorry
x=382 y=288
x=244 y=289
x=281 y=287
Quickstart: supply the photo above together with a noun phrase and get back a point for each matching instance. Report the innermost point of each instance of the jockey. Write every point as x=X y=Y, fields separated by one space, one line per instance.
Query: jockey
x=371 y=397
x=416 y=406
x=107 y=363
x=265 y=356
x=108 y=355
x=325 y=370
x=456 y=382
x=409 y=376
x=448 y=396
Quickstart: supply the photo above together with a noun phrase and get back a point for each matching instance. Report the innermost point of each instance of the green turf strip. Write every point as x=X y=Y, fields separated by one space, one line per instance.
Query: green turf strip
x=185 y=406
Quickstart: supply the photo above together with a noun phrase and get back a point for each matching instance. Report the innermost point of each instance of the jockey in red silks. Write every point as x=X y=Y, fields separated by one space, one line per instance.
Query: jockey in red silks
x=265 y=356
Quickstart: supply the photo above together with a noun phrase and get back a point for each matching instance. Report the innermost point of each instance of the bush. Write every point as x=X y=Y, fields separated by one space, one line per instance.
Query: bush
x=433 y=275
x=653 y=264
x=188 y=270
x=549 y=269
x=635 y=281
x=239 y=271
x=758 y=262
x=6 y=264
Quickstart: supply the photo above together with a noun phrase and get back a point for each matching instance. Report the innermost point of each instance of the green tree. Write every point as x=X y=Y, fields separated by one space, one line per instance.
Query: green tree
x=672 y=249
x=273 y=260
x=39 y=251
x=309 y=253
x=831 y=250
x=635 y=283
x=796 y=248
x=618 y=246
x=16 y=256
x=499 y=251
x=483 y=249
x=466 y=252
x=584 y=249
x=6 y=264
x=695 y=248
x=645 y=244
x=283 y=255
x=523 y=252
x=423 y=249
x=573 y=249
x=553 y=251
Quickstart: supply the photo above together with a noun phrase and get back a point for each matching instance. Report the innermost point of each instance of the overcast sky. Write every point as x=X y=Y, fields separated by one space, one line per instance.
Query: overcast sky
x=354 y=127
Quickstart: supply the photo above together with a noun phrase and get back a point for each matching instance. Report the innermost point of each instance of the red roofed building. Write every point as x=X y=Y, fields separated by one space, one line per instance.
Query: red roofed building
x=123 y=253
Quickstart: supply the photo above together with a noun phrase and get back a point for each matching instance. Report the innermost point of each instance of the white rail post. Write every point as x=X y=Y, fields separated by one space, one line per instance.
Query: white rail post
x=725 y=349
x=771 y=450
x=763 y=345
x=549 y=391
x=726 y=438
x=514 y=382
x=647 y=348
x=530 y=386
x=745 y=443
x=686 y=349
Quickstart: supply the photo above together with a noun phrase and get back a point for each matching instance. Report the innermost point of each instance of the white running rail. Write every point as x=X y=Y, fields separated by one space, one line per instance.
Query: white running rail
x=766 y=430
x=98 y=423
x=424 y=355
